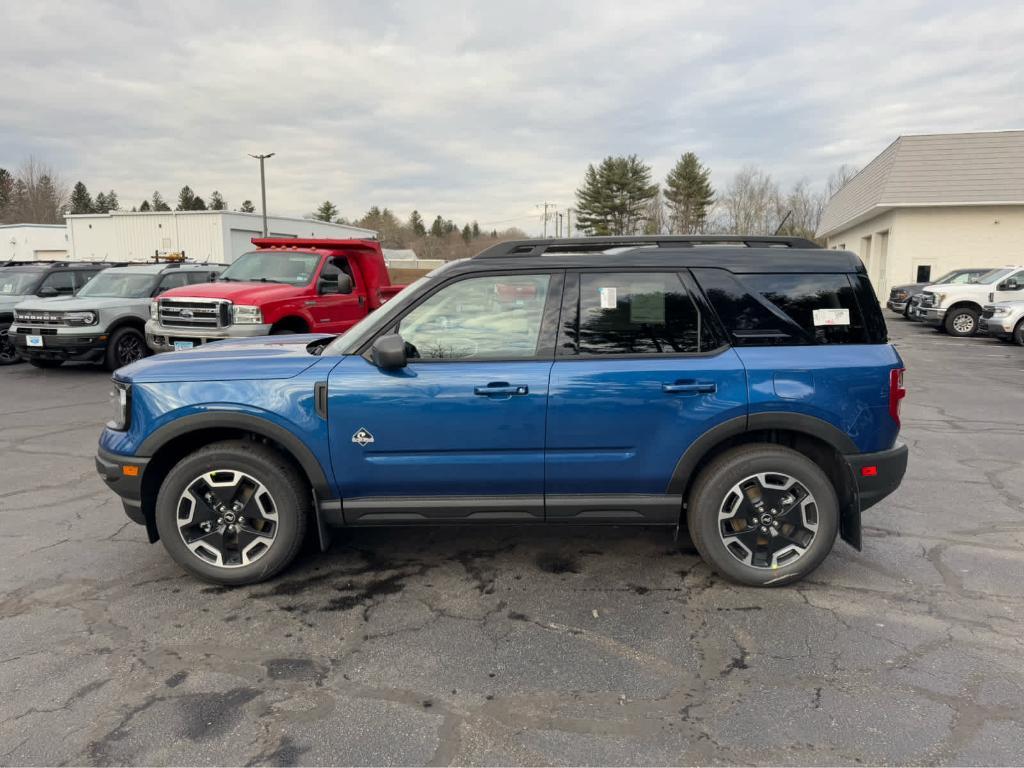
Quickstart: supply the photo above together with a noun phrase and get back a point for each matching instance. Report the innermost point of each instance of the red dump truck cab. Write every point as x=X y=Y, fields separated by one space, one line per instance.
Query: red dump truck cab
x=284 y=285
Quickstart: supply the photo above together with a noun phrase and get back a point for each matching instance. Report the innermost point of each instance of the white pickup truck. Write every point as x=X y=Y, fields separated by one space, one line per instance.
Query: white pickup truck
x=956 y=308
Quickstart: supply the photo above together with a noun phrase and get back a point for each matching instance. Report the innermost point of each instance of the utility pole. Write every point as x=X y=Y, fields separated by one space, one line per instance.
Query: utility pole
x=263 y=188
x=568 y=212
x=546 y=205
x=561 y=230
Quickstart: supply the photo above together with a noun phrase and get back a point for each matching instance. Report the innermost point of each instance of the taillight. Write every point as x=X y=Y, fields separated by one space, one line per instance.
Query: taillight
x=896 y=393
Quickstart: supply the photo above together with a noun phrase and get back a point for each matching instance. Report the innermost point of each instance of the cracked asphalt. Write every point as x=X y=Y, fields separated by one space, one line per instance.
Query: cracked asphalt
x=523 y=646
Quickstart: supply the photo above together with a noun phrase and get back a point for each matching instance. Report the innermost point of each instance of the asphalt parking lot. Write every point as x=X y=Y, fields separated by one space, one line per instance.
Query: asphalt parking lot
x=523 y=646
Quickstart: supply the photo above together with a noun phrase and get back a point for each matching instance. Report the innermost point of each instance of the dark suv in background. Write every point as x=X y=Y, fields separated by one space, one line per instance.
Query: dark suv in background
x=40 y=279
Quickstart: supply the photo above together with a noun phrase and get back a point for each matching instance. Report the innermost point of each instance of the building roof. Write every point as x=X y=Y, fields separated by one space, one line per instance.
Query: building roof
x=371 y=234
x=938 y=169
x=42 y=226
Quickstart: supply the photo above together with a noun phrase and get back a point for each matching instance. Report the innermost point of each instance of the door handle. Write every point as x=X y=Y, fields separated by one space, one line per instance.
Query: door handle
x=501 y=388
x=690 y=388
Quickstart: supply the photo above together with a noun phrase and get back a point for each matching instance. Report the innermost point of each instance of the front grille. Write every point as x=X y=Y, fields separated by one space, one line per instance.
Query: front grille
x=928 y=300
x=194 y=313
x=988 y=312
x=39 y=317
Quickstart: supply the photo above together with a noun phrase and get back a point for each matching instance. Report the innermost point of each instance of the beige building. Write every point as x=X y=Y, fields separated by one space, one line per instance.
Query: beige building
x=932 y=203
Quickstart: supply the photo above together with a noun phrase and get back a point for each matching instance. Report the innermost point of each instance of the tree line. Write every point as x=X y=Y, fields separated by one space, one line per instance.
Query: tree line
x=443 y=239
x=619 y=197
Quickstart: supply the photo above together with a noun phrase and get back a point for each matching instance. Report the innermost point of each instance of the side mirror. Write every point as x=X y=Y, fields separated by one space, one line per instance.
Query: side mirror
x=388 y=352
x=1010 y=285
x=344 y=283
x=48 y=292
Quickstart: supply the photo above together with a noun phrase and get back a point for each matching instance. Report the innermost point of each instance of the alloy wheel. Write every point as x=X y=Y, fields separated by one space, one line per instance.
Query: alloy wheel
x=8 y=353
x=227 y=518
x=768 y=520
x=129 y=349
x=963 y=323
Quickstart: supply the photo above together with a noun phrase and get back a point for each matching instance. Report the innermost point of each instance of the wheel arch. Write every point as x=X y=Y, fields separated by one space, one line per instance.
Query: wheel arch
x=130 y=321
x=821 y=442
x=168 y=445
x=969 y=303
x=296 y=323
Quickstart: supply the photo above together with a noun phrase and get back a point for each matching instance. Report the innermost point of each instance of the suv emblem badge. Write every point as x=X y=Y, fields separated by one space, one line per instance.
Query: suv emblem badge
x=362 y=437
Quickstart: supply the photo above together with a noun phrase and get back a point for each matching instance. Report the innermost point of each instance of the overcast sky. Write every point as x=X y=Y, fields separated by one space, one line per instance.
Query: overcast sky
x=482 y=110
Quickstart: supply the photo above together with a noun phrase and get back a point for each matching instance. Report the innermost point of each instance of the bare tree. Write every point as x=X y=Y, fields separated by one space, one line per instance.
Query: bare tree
x=656 y=221
x=839 y=179
x=801 y=209
x=749 y=205
x=39 y=195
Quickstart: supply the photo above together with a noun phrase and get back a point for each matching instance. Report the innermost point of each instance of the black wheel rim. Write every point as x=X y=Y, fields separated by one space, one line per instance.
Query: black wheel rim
x=8 y=354
x=227 y=518
x=129 y=349
x=768 y=520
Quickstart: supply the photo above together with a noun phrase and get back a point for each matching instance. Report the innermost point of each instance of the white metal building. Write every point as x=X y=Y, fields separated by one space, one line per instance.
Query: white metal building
x=217 y=236
x=929 y=204
x=33 y=242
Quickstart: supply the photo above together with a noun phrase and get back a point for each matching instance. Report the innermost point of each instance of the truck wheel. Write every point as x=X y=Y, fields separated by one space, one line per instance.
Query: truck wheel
x=763 y=515
x=233 y=512
x=8 y=352
x=42 y=362
x=1018 y=334
x=126 y=346
x=962 y=321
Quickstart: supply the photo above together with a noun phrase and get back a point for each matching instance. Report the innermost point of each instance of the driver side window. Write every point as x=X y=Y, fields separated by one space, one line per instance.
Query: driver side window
x=478 y=318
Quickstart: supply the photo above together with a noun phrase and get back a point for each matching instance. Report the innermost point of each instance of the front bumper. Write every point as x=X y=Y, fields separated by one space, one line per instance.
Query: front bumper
x=123 y=475
x=79 y=345
x=161 y=338
x=931 y=315
x=899 y=307
x=1000 y=327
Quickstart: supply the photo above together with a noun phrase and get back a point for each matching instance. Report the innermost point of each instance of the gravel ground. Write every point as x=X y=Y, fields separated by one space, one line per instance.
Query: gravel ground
x=523 y=646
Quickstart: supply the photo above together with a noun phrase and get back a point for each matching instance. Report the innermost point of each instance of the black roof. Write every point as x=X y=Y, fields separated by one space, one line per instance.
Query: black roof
x=737 y=253
x=44 y=265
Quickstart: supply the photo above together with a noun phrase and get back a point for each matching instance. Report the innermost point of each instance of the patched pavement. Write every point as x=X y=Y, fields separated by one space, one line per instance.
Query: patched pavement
x=523 y=646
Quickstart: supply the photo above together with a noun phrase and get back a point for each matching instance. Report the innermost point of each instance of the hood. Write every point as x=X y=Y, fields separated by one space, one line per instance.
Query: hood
x=7 y=303
x=75 y=303
x=47 y=302
x=909 y=287
x=238 y=293
x=262 y=357
x=1011 y=305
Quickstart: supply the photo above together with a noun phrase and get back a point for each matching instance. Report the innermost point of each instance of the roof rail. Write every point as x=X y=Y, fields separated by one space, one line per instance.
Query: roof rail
x=539 y=247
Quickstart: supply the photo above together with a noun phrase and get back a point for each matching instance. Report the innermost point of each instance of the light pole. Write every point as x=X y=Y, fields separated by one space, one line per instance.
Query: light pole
x=263 y=188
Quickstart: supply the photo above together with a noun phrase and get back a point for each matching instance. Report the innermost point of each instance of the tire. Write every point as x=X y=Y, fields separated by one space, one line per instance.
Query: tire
x=282 y=332
x=8 y=352
x=42 y=362
x=271 y=551
x=1018 y=334
x=961 y=321
x=780 y=560
x=127 y=345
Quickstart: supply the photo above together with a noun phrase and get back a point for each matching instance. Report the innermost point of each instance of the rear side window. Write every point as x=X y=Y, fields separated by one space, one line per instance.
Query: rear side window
x=635 y=313
x=766 y=309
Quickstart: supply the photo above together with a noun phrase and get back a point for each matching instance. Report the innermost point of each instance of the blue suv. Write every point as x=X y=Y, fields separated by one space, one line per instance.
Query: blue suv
x=741 y=387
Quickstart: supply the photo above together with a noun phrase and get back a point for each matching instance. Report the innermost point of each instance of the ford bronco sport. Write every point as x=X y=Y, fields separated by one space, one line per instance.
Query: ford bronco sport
x=740 y=386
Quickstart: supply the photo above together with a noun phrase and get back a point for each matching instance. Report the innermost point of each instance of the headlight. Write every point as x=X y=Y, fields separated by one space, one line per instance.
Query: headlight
x=154 y=311
x=242 y=314
x=120 y=405
x=80 y=318
x=1000 y=311
x=939 y=298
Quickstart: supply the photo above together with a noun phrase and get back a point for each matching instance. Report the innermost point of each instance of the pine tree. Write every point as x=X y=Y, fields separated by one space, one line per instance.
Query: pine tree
x=113 y=204
x=144 y=207
x=688 y=195
x=326 y=212
x=247 y=207
x=159 y=204
x=101 y=204
x=437 y=227
x=467 y=234
x=476 y=230
x=614 y=196
x=198 y=204
x=186 y=197
x=6 y=192
x=217 y=201
x=81 y=200
x=416 y=224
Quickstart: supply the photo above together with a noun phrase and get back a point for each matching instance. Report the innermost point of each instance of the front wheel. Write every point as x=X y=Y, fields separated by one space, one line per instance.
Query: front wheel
x=8 y=352
x=126 y=346
x=962 y=321
x=763 y=515
x=233 y=512
x=1018 y=334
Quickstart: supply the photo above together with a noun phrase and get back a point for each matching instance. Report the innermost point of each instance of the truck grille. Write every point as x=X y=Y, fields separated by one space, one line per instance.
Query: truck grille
x=194 y=313
x=38 y=317
x=928 y=300
x=987 y=312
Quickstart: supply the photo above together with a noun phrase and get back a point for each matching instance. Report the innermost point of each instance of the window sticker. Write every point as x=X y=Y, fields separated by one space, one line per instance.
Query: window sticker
x=647 y=304
x=609 y=297
x=831 y=317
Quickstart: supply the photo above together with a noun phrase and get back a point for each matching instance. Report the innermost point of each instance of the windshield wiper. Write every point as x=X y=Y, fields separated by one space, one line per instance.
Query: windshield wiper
x=269 y=280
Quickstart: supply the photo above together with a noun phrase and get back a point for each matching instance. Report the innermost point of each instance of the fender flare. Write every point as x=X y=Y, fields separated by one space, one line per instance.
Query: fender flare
x=250 y=423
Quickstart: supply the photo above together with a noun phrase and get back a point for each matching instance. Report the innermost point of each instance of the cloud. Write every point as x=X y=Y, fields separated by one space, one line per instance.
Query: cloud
x=483 y=110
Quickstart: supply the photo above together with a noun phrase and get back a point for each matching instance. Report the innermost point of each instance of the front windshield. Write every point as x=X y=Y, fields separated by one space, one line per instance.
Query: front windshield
x=111 y=284
x=17 y=283
x=273 y=267
x=994 y=276
x=392 y=307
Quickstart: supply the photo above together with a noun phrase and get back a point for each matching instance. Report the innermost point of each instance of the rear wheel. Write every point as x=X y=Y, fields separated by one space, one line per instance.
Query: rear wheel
x=763 y=515
x=961 y=321
x=233 y=512
x=126 y=346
